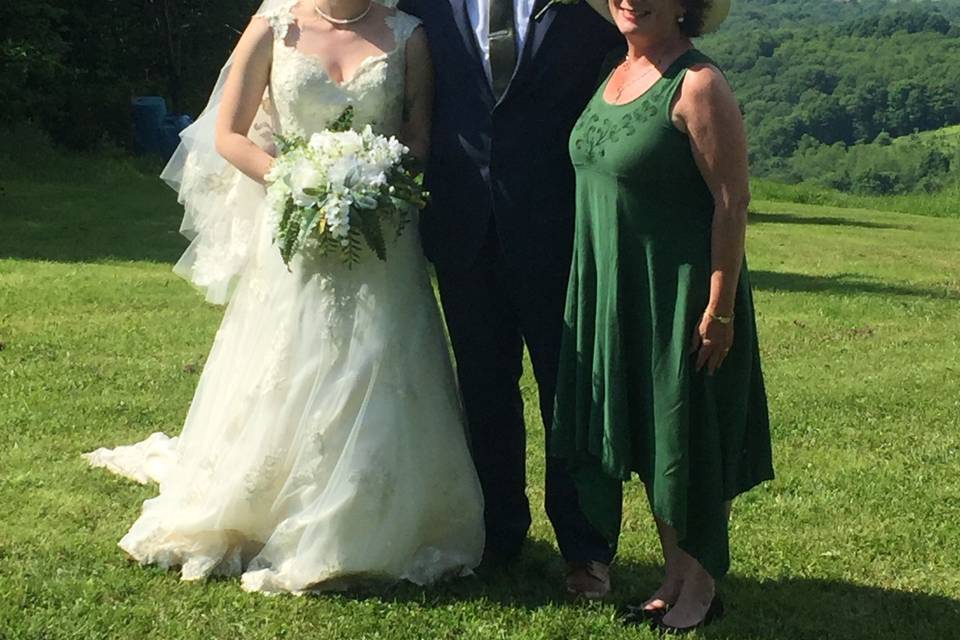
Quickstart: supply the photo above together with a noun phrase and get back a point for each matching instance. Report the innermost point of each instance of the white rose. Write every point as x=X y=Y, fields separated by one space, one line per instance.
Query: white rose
x=322 y=144
x=350 y=143
x=303 y=175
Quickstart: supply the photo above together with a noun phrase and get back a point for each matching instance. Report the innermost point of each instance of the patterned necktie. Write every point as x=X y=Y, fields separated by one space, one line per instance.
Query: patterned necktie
x=503 y=44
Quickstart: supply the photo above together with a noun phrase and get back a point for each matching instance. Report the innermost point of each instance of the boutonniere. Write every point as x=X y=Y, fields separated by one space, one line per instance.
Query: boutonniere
x=550 y=4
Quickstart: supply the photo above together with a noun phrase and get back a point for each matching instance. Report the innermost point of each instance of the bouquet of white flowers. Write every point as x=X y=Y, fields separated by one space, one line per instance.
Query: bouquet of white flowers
x=339 y=189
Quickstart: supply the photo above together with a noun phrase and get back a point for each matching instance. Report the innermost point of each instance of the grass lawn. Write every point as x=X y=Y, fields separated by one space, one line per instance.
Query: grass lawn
x=941 y=204
x=858 y=538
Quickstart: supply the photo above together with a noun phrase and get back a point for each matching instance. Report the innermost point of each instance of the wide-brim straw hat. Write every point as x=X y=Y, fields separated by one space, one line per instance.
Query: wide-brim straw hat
x=717 y=11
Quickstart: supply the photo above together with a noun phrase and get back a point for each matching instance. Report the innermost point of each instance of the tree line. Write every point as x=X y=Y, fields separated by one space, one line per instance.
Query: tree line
x=823 y=84
x=71 y=68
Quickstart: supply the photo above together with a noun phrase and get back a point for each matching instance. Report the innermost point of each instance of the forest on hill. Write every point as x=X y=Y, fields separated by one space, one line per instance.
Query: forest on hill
x=826 y=86
x=791 y=13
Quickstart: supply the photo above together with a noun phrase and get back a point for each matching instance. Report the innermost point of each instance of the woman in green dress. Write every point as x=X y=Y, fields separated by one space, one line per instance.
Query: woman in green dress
x=660 y=370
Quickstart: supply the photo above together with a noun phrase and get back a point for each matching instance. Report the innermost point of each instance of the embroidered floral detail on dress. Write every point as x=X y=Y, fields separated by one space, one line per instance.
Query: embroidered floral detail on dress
x=260 y=480
x=375 y=483
x=195 y=179
x=315 y=452
x=303 y=92
x=274 y=376
x=595 y=132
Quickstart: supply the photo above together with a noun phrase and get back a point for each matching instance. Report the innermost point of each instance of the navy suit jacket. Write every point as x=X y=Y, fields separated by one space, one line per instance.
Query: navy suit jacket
x=507 y=159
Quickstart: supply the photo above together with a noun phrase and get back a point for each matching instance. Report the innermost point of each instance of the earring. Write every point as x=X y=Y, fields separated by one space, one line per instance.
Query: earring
x=680 y=19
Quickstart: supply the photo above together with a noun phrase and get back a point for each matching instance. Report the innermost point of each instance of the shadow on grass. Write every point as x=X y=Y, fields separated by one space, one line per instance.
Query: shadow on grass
x=783 y=609
x=842 y=284
x=810 y=608
x=789 y=218
x=135 y=219
x=531 y=581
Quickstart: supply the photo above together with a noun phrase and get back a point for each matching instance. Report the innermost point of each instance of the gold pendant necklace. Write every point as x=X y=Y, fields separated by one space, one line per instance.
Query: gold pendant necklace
x=632 y=81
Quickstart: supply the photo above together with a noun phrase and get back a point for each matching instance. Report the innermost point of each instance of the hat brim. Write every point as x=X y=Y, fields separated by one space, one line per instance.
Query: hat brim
x=716 y=13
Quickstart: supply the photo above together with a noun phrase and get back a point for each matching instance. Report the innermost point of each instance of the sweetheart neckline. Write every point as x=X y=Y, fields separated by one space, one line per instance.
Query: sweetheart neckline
x=319 y=63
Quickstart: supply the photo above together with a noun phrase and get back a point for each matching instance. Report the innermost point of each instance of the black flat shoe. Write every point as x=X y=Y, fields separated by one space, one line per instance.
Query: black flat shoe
x=714 y=613
x=638 y=616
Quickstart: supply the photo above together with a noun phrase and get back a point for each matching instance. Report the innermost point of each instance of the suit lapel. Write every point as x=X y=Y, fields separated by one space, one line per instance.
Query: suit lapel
x=461 y=16
x=536 y=32
x=538 y=29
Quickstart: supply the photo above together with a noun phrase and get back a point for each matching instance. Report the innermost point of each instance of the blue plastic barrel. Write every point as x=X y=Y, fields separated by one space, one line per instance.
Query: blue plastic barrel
x=148 y=115
x=170 y=130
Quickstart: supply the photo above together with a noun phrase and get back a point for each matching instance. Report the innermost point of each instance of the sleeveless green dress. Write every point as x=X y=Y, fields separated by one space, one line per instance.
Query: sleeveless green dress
x=628 y=397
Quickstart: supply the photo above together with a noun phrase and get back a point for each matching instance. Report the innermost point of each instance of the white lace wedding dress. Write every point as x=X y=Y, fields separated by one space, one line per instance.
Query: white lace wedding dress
x=325 y=445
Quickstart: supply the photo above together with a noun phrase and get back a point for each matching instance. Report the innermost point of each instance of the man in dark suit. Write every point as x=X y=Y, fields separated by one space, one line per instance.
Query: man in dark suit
x=499 y=231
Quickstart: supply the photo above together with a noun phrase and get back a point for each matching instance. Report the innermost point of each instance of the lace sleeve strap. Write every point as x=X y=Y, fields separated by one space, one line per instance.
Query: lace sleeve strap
x=279 y=15
x=403 y=25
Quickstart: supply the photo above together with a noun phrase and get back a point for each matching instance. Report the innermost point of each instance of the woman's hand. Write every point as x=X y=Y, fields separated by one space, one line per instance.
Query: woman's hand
x=711 y=342
x=708 y=112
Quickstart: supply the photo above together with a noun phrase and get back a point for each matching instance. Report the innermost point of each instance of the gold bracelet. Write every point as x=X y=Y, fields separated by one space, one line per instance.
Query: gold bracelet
x=721 y=319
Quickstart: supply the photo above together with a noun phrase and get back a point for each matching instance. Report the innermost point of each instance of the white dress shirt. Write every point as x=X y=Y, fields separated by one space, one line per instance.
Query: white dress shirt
x=479 y=12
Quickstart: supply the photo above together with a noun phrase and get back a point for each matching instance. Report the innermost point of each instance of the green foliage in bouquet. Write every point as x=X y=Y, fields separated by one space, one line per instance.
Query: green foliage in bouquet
x=344 y=122
x=317 y=227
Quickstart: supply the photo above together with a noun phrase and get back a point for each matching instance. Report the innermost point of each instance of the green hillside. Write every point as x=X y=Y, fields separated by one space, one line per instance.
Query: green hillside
x=945 y=136
x=832 y=93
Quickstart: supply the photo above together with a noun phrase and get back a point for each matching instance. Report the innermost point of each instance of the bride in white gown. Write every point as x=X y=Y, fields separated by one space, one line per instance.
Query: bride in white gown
x=325 y=445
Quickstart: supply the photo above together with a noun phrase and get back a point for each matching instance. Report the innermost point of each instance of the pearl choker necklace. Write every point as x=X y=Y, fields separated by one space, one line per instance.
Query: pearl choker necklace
x=329 y=18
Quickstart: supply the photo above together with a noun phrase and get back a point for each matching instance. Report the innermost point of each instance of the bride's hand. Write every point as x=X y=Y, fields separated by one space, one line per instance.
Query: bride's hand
x=711 y=342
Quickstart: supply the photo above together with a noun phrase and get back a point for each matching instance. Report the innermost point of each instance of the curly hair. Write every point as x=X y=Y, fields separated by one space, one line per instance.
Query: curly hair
x=692 y=25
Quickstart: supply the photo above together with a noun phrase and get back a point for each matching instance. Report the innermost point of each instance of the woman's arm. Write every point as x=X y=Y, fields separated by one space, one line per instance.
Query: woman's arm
x=418 y=97
x=242 y=95
x=708 y=112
